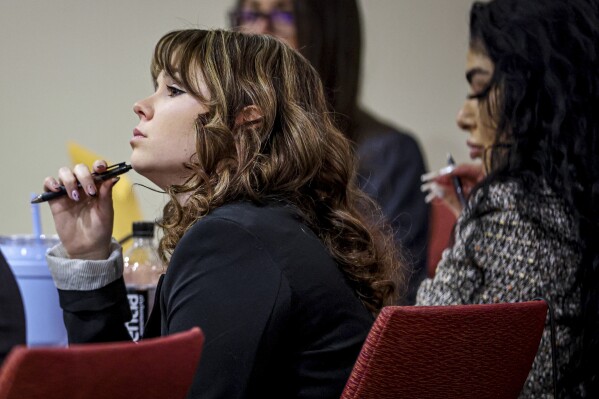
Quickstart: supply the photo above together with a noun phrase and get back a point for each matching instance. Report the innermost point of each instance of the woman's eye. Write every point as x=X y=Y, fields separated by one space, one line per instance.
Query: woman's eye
x=173 y=91
x=473 y=96
x=479 y=92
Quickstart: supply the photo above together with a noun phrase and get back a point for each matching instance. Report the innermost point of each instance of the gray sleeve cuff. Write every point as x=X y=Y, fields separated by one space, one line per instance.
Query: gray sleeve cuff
x=84 y=275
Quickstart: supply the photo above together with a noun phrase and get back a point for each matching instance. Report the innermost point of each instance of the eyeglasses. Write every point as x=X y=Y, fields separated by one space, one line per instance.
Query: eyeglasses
x=275 y=18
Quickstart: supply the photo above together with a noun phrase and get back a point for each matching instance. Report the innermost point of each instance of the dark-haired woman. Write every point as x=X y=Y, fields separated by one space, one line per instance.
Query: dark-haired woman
x=266 y=247
x=390 y=163
x=530 y=227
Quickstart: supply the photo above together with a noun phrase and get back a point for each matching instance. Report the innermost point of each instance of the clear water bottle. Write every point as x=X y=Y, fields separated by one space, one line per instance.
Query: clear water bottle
x=142 y=272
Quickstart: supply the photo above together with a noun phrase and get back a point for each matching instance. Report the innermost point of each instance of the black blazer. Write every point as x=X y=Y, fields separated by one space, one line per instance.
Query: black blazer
x=12 y=315
x=279 y=317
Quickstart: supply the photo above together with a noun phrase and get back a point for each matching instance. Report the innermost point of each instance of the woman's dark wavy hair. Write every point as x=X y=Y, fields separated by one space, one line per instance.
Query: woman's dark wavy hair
x=546 y=57
x=294 y=153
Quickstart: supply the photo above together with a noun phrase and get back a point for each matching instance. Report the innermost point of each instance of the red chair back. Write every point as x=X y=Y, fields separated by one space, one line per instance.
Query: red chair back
x=465 y=351
x=154 y=368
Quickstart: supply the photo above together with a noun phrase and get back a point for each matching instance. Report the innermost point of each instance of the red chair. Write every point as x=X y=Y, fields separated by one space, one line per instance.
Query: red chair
x=466 y=351
x=155 y=368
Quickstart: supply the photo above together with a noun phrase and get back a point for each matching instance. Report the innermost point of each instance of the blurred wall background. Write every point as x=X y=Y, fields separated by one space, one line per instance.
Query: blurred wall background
x=70 y=70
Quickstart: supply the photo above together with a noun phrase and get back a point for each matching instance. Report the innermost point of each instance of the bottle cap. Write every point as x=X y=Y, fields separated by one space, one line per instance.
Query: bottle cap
x=143 y=229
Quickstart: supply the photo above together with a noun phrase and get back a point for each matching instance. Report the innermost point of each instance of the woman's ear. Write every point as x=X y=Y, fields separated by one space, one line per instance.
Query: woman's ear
x=248 y=115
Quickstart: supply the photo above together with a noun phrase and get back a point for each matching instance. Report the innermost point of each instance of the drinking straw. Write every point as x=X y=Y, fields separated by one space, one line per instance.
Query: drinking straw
x=36 y=219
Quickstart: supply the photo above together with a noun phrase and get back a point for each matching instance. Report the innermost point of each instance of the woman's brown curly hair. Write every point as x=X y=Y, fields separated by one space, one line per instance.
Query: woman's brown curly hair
x=293 y=152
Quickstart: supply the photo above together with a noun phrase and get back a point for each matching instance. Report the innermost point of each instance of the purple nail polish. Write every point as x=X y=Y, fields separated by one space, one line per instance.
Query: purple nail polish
x=75 y=195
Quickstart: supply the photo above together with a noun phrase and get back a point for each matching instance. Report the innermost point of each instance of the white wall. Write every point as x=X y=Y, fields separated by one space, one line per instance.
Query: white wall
x=71 y=70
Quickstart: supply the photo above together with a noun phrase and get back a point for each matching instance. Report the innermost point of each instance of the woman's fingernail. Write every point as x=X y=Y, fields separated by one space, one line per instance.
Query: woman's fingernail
x=427 y=176
x=446 y=170
x=436 y=173
x=429 y=197
x=55 y=184
x=75 y=195
x=91 y=190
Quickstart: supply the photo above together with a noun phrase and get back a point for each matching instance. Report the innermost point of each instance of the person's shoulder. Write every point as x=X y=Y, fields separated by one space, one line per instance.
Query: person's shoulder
x=371 y=128
x=248 y=213
x=379 y=140
x=498 y=200
x=538 y=206
x=232 y=229
x=500 y=195
x=253 y=218
x=516 y=194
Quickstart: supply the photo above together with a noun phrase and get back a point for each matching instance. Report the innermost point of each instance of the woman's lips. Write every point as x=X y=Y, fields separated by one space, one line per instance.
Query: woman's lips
x=137 y=133
x=476 y=151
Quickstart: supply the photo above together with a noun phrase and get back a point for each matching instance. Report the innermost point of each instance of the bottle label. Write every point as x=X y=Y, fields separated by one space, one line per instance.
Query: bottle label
x=138 y=302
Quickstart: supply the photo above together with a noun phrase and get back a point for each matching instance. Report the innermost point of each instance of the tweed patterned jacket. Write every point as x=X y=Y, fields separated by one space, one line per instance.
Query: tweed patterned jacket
x=523 y=245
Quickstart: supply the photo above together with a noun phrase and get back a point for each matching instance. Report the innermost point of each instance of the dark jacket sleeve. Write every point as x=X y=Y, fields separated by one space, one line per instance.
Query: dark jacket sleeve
x=98 y=315
x=12 y=315
x=223 y=280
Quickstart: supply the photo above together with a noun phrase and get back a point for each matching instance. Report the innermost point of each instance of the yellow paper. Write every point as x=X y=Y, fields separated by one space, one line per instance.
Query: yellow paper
x=126 y=205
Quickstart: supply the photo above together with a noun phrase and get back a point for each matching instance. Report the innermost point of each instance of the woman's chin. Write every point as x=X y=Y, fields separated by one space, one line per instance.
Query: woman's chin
x=141 y=168
x=140 y=164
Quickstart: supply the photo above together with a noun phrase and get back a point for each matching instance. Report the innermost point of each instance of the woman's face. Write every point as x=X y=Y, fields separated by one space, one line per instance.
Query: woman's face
x=474 y=117
x=165 y=137
x=272 y=17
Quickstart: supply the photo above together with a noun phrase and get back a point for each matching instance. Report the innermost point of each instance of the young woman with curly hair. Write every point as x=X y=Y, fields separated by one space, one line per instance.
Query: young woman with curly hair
x=530 y=227
x=267 y=248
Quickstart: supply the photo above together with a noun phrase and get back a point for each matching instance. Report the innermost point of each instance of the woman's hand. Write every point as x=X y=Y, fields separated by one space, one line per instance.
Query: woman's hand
x=84 y=217
x=439 y=184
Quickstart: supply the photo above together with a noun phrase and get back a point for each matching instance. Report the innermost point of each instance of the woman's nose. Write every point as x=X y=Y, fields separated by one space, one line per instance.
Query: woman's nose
x=466 y=118
x=265 y=26
x=143 y=109
x=262 y=26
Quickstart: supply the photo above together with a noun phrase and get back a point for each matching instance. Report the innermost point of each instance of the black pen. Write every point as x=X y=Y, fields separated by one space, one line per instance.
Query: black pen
x=110 y=172
x=457 y=183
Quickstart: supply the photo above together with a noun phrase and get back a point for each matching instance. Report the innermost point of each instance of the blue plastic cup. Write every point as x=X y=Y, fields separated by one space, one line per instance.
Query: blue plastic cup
x=26 y=256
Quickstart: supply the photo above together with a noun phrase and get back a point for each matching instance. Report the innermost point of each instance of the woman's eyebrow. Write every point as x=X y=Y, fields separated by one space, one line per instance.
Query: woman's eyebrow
x=167 y=75
x=476 y=71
